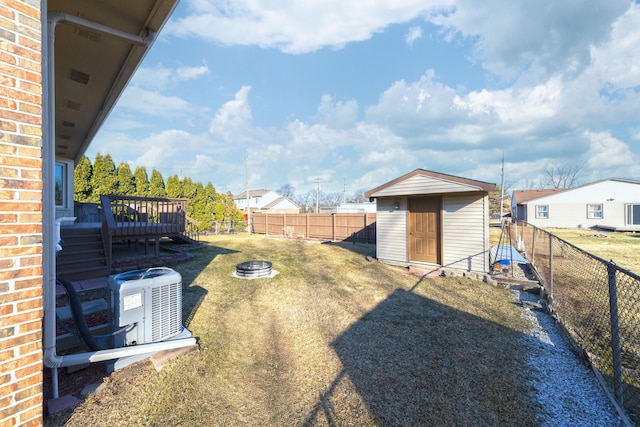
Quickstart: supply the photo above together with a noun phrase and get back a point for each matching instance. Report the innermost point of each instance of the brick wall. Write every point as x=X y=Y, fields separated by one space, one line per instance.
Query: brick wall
x=21 y=304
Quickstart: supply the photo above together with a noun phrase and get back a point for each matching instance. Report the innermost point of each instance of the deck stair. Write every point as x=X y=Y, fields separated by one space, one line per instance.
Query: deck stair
x=83 y=254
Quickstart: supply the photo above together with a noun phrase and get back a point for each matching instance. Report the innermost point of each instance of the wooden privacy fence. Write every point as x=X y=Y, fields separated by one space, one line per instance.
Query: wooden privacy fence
x=352 y=227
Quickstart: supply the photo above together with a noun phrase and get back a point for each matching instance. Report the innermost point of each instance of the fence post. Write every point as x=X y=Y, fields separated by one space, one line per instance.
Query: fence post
x=615 y=332
x=307 y=226
x=533 y=247
x=550 y=268
x=333 y=227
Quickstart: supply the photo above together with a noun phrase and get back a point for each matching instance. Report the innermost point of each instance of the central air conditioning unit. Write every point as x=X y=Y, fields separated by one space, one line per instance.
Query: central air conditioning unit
x=147 y=306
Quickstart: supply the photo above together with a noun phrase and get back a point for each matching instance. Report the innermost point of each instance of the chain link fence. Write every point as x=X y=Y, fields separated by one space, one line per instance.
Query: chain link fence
x=596 y=302
x=226 y=227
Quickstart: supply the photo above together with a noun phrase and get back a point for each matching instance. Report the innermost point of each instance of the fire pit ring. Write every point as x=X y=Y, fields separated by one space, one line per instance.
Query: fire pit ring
x=254 y=269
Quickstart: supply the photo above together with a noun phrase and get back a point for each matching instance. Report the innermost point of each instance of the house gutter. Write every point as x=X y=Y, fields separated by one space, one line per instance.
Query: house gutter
x=51 y=359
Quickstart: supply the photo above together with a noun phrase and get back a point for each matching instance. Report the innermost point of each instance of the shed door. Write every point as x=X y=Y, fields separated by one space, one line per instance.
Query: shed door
x=424 y=229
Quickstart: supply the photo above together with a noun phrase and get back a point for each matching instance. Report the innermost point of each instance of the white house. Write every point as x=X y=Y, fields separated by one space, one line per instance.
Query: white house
x=612 y=203
x=265 y=201
x=427 y=218
x=366 y=207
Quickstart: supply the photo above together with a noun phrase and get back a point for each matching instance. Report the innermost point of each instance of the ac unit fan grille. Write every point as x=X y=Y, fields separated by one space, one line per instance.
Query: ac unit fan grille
x=166 y=311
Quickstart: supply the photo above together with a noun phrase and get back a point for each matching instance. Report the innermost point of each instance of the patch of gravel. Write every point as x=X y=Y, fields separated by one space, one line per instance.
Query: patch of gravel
x=566 y=389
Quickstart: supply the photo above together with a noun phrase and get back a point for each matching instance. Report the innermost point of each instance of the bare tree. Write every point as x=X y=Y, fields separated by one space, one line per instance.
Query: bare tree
x=306 y=201
x=358 y=197
x=563 y=175
x=287 y=190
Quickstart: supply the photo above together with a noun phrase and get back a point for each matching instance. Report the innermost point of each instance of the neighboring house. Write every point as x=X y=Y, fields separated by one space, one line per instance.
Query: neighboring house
x=281 y=205
x=364 y=207
x=60 y=76
x=612 y=203
x=265 y=201
x=433 y=219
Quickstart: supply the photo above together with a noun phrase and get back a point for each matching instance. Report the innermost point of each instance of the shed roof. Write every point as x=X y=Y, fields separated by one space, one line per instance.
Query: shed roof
x=422 y=181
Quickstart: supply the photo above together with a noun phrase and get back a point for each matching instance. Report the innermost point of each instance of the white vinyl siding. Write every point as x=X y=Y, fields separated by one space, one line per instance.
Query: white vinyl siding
x=424 y=185
x=391 y=231
x=465 y=225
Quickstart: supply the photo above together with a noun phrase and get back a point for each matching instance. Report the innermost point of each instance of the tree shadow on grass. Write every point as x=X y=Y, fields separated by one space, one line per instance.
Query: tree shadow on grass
x=414 y=361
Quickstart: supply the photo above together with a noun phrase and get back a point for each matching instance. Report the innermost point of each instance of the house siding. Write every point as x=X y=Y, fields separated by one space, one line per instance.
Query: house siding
x=569 y=209
x=391 y=231
x=465 y=221
x=21 y=303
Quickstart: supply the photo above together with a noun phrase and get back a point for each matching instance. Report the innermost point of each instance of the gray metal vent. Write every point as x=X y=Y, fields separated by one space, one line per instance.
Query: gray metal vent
x=166 y=311
x=89 y=35
x=79 y=76
x=68 y=124
x=72 y=105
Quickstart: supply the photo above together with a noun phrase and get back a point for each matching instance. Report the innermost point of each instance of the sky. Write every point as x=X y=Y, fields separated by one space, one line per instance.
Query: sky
x=353 y=94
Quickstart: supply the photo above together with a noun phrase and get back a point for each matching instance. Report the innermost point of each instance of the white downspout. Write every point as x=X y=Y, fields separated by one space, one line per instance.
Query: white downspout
x=51 y=359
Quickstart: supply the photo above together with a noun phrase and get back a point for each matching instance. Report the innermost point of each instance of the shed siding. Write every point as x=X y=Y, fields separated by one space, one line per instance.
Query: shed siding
x=391 y=231
x=423 y=185
x=465 y=242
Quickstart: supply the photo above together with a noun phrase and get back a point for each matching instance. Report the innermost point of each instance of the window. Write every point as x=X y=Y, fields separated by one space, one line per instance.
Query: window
x=594 y=211
x=542 y=211
x=633 y=214
x=60 y=187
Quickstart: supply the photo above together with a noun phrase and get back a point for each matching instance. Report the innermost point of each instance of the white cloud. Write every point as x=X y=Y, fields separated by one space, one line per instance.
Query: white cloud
x=233 y=120
x=337 y=114
x=153 y=103
x=412 y=35
x=542 y=37
x=606 y=152
x=296 y=26
x=618 y=60
x=161 y=77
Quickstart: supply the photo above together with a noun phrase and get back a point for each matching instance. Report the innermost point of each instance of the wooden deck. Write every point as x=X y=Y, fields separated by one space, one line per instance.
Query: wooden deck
x=88 y=244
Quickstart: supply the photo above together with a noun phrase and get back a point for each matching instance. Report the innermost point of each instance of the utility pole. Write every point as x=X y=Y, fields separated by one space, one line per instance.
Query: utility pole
x=344 y=191
x=502 y=188
x=318 y=194
x=246 y=186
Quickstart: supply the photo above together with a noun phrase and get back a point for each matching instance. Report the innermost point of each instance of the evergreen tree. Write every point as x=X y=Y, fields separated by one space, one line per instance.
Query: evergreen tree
x=156 y=185
x=231 y=210
x=188 y=188
x=82 y=174
x=174 y=189
x=141 y=180
x=126 y=185
x=104 y=179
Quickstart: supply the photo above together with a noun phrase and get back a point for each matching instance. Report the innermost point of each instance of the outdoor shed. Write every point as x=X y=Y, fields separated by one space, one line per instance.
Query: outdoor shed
x=427 y=218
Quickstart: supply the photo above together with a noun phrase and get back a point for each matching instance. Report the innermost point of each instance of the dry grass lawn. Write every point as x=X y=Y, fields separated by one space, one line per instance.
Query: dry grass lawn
x=332 y=340
x=621 y=247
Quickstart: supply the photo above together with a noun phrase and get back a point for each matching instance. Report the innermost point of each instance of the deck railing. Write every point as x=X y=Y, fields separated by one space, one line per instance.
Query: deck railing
x=143 y=218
